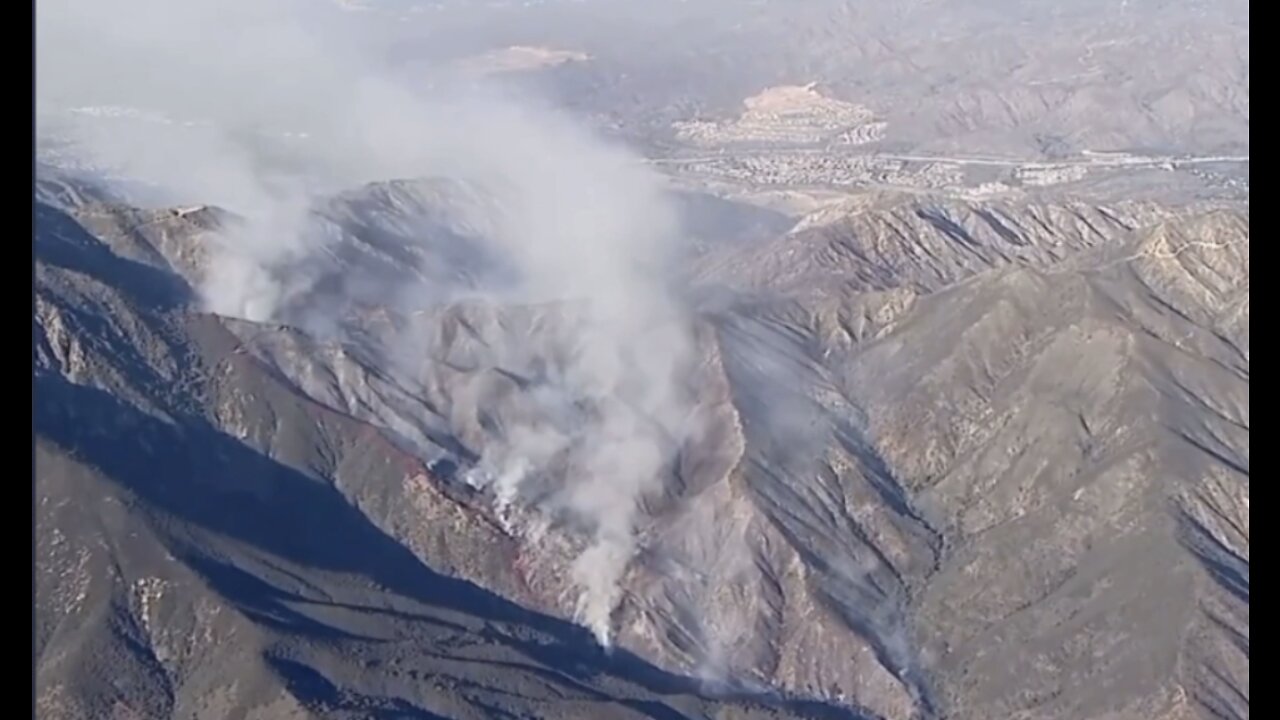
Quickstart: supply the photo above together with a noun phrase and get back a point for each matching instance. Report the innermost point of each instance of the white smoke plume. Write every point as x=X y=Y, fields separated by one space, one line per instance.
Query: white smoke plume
x=258 y=105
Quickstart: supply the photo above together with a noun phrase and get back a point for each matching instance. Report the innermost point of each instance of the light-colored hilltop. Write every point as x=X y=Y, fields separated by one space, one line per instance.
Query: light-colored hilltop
x=521 y=58
x=789 y=115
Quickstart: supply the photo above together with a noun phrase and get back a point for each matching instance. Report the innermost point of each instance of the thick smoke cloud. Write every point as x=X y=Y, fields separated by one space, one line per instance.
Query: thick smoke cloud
x=258 y=106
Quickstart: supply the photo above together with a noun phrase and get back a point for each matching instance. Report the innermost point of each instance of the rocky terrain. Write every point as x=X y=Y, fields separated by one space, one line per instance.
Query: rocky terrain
x=680 y=359
x=1031 y=80
x=954 y=459
x=213 y=542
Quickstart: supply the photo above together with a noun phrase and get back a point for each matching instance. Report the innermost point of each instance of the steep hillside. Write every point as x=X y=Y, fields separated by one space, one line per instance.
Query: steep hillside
x=961 y=460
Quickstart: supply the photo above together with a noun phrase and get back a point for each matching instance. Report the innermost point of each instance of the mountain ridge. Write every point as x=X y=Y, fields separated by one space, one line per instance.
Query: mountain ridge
x=830 y=496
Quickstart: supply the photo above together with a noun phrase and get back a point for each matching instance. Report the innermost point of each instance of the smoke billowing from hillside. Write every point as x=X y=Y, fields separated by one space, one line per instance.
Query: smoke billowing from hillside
x=260 y=106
